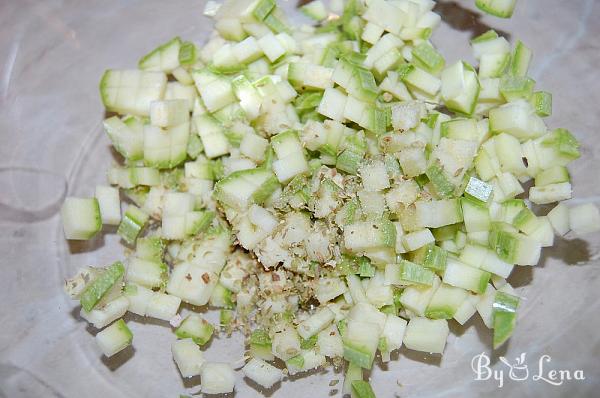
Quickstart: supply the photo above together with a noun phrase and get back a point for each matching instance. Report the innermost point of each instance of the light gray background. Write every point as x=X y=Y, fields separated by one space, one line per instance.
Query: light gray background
x=52 y=54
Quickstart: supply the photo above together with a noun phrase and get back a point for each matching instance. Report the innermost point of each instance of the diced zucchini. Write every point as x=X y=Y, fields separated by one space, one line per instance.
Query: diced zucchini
x=81 y=218
x=385 y=14
x=132 y=224
x=550 y=193
x=192 y=283
x=362 y=389
x=188 y=357
x=329 y=288
x=416 y=297
x=107 y=313
x=427 y=335
x=101 y=285
x=461 y=275
x=114 y=338
x=262 y=373
x=509 y=154
x=216 y=91
x=556 y=149
x=515 y=248
x=162 y=306
x=460 y=88
x=498 y=8
x=431 y=256
x=242 y=188
x=315 y=10
x=514 y=88
x=417 y=239
x=504 y=317
x=317 y=322
x=260 y=345
x=419 y=79
x=407 y=273
x=150 y=248
x=437 y=213
x=483 y=258
x=360 y=343
x=217 y=378
x=445 y=302
x=165 y=58
x=147 y=273
x=308 y=76
x=169 y=113
x=306 y=360
x=126 y=136
x=479 y=191
x=553 y=175
x=516 y=118
x=521 y=57
x=542 y=103
x=329 y=343
x=353 y=373
x=584 y=219
x=369 y=235
x=467 y=309
x=559 y=218
x=196 y=328
x=286 y=344
x=427 y=57
x=131 y=91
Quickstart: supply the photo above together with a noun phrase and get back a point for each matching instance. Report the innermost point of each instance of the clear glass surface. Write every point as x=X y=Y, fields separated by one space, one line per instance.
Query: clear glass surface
x=52 y=55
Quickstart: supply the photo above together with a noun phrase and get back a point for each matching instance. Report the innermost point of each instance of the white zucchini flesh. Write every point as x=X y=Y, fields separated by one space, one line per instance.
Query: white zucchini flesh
x=427 y=335
x=484 y=306
x=262 y=373
x=416 y=298
x=329 y=342
x=445 y=302
x=481 y=257
x=357 y=292
x=286 y=344
x=164 y=58
x=192 y=283
x=367 y=313
x=414 y=240
x=584 y=219
x=146 y=273
x=81 y=218
x=315 y=323
x=559 y=218
x=216 y=91
x=114 y=338
x=217 y=378
x=163 y=306
x=467 y=309
x=132 y=91
x=393 y=332
x=103 y=316
x=374 y=176
x=109 y=203
x=188 y=357
x=169 y=113
x=550 y=193
x=378 y=293
x=498 y=8
x=460 y=275
x=544 y=233
x=360 y=342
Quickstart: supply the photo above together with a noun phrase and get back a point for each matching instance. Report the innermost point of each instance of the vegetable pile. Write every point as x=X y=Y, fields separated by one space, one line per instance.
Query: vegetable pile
x=336 y=190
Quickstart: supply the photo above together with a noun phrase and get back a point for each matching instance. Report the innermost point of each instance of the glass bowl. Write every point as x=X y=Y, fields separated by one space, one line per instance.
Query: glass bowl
x=52 y=145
